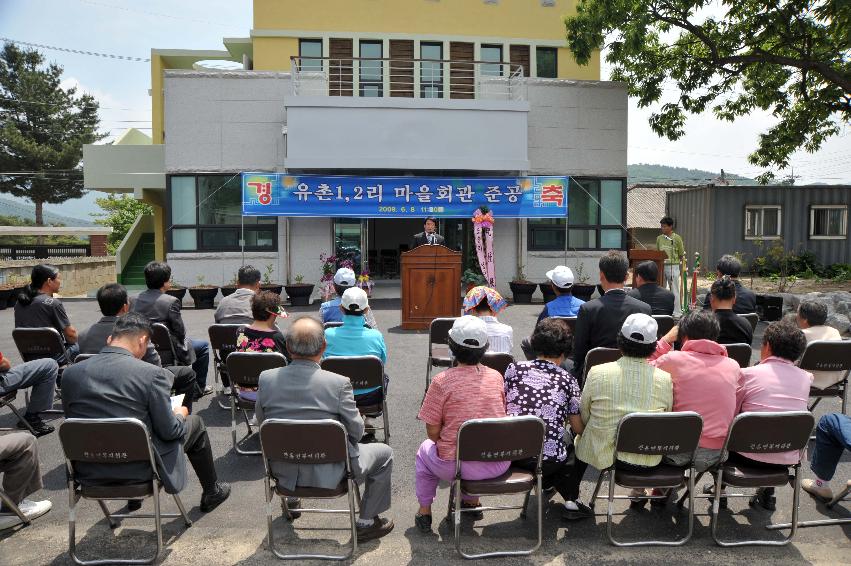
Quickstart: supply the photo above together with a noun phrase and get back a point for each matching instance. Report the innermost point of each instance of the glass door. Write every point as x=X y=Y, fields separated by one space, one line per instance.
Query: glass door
x=348 y=241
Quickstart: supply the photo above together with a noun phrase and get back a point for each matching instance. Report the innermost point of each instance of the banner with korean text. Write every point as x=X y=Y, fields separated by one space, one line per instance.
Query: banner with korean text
x=278 y=194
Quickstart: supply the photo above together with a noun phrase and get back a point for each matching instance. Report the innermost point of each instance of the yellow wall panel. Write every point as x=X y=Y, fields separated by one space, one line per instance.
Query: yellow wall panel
x=568 y=68
x=273 y=53
x=157 y=99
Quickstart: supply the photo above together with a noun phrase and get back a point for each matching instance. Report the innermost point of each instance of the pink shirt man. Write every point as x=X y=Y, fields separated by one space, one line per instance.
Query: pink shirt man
x=705 y=381
x=776 y=384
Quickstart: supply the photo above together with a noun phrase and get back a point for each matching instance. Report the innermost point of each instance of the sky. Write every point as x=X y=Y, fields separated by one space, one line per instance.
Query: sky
x=132 y=28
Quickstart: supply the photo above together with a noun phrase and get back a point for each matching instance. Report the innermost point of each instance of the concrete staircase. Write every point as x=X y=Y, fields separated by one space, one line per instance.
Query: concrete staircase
x=134 y=273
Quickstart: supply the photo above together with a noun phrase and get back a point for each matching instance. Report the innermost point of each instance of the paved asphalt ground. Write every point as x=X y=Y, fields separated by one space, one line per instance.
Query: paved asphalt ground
x=235 y=533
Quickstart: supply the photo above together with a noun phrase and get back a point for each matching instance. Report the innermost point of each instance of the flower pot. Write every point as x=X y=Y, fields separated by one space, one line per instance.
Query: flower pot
x=547 y=290
x=4 y=297
x=273 y=287
x=14 y=296
x=299 y=294
x=177 y=292
x=521 y=292
x=583 y=292
x=203 y=296
x=227 y=290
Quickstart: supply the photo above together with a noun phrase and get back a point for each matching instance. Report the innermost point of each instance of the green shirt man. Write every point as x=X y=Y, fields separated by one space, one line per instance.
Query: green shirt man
x=672 y=245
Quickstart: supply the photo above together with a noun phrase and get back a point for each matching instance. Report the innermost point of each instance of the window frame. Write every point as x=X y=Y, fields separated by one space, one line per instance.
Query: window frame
x=302 y=57
x=438 y=83
x=380 y=60
x=842 y=207
x=200 y=229
x=761 y=208
x=498 y=63
x=554 y=51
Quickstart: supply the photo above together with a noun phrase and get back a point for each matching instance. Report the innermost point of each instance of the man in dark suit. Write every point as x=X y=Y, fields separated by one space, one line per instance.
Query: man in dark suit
x=155 y=304
x=647 y=289
x=429 y=234
x=118 y=384
x=745 y=298
x=600 y=320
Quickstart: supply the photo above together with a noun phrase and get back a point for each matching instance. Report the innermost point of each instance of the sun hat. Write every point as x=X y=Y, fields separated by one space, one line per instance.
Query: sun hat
x=469 y=331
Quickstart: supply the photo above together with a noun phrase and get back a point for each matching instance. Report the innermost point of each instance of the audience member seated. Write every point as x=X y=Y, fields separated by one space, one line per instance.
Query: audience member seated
x=21 y=477
x=40 y=375
x=354 y=339
x=647 y=289
x=599 y=321
x=776 y=384
x=565 y=304
x=705 y=381
x=811 y=318
x=38 y=308
x=158 y=306
x=543 y=389
x=486 y=303
x=467 y=391
x=833 y=437
x=113 y=302
x=745 y=298
x=263 y=335
x=304 y=391
x=118 y=384
x=616 y=389
x=236 y=307
x=329 y=311
x=735 y=329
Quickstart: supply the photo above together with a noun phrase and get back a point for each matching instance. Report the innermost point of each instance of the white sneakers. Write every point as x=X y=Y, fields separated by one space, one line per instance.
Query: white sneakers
x=30 y=509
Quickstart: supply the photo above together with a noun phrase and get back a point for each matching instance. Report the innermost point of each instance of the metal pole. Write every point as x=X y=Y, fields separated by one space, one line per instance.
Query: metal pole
x=804 y=524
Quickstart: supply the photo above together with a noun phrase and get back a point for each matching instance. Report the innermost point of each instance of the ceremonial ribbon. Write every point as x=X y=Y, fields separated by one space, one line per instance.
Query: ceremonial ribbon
x=483 y=226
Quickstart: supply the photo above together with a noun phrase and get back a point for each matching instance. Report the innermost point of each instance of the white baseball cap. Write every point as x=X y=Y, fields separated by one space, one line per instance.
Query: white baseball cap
x=344 y=277
x=641 y=328
x=561 y=276
x=469 y=331
x=354 y=299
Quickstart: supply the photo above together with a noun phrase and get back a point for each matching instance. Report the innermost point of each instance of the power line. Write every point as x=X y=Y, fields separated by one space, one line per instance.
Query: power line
x=157 y=14
x=77 y=51
x=56 y=104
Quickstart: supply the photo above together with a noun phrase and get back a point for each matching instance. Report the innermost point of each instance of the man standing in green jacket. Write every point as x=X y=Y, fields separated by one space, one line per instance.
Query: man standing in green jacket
x=672 y=244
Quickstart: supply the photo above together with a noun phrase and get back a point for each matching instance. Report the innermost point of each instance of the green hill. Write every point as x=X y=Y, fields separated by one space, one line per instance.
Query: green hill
x=648 y=173
x=16 y=207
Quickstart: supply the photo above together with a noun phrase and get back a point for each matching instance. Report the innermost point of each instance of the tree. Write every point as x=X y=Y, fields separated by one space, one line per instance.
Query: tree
x=789 y=57
x=120 y=214
x=42 y=130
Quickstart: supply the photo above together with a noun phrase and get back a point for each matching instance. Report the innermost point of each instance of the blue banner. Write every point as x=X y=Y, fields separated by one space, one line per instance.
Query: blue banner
x=277 y=194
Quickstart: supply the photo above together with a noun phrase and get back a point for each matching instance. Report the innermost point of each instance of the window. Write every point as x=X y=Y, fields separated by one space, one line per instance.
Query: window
x=431 y=72
x=828 y=221
x=310 y=48
x=491 y=54
x=762 y=222
x=371 y=72
x=206 y=215
x=547 y=58
x=594 y=219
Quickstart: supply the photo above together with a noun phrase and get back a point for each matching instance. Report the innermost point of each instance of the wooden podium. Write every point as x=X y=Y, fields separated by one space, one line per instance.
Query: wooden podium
x=431 y=285
x=637 y=256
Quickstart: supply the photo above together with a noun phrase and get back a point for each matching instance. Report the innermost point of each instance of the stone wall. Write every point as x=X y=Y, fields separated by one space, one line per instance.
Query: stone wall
x=838 y=307
x=80 y=275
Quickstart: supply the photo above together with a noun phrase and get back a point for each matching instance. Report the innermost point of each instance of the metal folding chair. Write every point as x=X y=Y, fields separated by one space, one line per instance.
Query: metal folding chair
x=244 y=369
x=332 y=324
x=163 y=344
x=597 y=356
x=496 y=440
x=365 y=372
x=40 y=343
x=7 y=501
x=570 y=321
x=753 y=318
x=295 y=442
x=8 y=400
x=222 y=343
x=438 y=348
x=83 y=357
x=653 y=434
x=828 y=355
x=665 y=322
x=741 y=353
x=841 y=496
x=110 y=442
x=498 y=361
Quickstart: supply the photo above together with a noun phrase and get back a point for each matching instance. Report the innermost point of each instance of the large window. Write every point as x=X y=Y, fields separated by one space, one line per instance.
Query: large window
x=206 y=215
x=594 y=219
x=828 y=222
x=491 y=53
x=431 y=72
x=310 y=48
x=762 y=222
x=371 y=72
x=547 y=62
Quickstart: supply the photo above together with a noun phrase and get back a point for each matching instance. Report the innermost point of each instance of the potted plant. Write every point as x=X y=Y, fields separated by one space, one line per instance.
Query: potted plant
x=472 y=278
x=547 y=290
x=299 y=292
x=18 y=284
x=267 y=284
x=176 y=290
x=581 y=289
x=7 y=289
x=203 y=294
x=230 y=288
x=521 y=288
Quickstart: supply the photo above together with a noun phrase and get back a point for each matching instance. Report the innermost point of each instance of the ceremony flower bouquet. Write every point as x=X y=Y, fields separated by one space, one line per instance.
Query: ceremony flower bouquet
x=330 y=265
x=365 y=283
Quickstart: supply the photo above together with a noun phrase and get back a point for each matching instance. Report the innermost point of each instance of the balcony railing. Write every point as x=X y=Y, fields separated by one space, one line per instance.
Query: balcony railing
x=408 y=78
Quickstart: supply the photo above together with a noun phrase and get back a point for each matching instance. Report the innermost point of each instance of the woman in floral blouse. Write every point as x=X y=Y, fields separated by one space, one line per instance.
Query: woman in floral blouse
x=263 y=334
x=543 y=389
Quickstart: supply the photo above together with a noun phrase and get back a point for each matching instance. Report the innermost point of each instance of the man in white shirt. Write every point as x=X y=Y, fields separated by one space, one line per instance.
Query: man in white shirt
x=811 y=318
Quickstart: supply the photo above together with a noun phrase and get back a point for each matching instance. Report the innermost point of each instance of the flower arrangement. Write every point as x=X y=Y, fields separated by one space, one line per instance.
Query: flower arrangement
x=330 y=265
x=365 y=283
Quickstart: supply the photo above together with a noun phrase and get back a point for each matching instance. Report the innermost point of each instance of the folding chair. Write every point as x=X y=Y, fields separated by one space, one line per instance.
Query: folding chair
x=40 y=343
x=570 y=320
x=741 y=353
x=841 y=496
x=365 y=372
x=244 y=369
x=762 y=433
x=163 y=344
x=498 y=361
x=7 y=501
x=653 y=434
x=753 y=318
x=438 y=348
x=83 y=357
x=828 y=355
x=222 y=343
x=111 y=442
x=665 y=322
x=496 y=440
x=302 y=443
x=597 y=356
x=332 y=324
x=8 y=400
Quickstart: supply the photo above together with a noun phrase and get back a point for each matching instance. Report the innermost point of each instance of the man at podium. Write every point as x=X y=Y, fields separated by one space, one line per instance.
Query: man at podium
x=429 y=235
